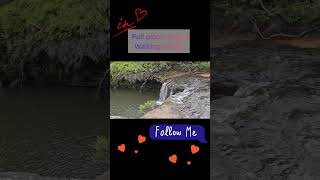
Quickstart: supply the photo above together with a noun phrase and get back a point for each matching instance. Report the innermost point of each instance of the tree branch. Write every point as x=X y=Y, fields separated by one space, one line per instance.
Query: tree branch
x=264 y=8
x=303 y=33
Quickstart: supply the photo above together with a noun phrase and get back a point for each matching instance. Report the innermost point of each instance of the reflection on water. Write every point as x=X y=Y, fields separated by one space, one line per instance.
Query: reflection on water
x=48 y=131
x=126 y=102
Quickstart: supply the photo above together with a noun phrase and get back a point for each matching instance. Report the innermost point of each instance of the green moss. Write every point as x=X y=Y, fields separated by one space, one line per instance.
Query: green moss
x=147 y=106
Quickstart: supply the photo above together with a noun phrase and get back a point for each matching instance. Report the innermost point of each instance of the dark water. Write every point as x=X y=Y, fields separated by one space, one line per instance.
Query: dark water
x=126 y=102
x=49 y=131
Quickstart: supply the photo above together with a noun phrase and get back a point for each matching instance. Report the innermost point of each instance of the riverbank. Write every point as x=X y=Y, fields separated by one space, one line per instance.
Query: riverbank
x=53 y=44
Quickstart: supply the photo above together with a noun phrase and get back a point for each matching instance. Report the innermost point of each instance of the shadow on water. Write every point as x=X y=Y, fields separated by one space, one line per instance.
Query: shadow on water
x=49 y=131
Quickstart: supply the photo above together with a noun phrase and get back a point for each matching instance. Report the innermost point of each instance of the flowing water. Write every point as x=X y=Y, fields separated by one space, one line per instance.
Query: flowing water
x=125 y=102
x=49 y=131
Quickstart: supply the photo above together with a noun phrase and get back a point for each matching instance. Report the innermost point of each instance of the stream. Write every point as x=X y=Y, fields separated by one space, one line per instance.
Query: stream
x=125 y=102
x=49 y=131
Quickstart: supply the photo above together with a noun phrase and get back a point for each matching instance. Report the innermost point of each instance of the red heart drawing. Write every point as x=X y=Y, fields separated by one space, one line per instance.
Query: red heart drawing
x=141 y=139
x=189 y=163
x=122 y=147
x=173 y=158
x=136 y=151
x=194 y=149
x=140 y=14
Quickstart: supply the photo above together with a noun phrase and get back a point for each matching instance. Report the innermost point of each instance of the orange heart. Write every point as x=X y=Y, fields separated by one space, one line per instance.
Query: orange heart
x=189 y=162
x=122 y=147
x=194 y=149
x=141 y=139
x=173 y=158
x=136 y=151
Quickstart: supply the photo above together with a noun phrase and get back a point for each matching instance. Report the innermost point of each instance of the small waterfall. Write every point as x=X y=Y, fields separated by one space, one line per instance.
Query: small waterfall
x=163 y=93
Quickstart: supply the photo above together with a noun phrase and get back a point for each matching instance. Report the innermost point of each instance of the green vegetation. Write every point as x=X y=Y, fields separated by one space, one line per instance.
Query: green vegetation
x=100 y=147
x=133 y=71
x=23 y=22
x=195 y=66
x=147 y=106
x=298 y=12
x=128 y=68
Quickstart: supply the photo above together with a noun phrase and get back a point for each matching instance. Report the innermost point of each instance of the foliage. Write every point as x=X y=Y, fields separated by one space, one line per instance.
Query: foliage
x=26 y=21
x=147 y=106
x=157 y=70
x=298 y=12
x=133 y=67
x=100 y=147
x=195 y=66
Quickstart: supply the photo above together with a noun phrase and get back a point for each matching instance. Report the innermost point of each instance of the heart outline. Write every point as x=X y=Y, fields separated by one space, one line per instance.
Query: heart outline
x=138 y=12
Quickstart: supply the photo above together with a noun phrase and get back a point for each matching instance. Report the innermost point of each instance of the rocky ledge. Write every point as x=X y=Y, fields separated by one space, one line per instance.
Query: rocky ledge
x=183 y=97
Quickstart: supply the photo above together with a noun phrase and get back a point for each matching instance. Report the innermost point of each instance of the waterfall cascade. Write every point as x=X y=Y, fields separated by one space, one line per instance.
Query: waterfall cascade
x=177 y=94
x=163 y=93
x=177 y=98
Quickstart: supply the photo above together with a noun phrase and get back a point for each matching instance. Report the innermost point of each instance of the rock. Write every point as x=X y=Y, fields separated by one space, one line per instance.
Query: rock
x=29 y=176
x=163 y=111
x=269 y=127
x=187 y=97
x=105 y=176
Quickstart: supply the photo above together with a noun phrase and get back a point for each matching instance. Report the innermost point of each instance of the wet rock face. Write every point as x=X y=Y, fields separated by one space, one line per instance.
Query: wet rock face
x=269 y=126
x=194 y=100
x=185 y=97
x=191 y=96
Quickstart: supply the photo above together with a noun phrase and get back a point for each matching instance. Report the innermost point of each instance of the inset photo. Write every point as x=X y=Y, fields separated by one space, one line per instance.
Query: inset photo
x=160 y=89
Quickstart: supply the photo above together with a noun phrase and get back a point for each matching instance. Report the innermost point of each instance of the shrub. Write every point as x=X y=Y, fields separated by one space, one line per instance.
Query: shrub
x=100 y=147
x=147 y=106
